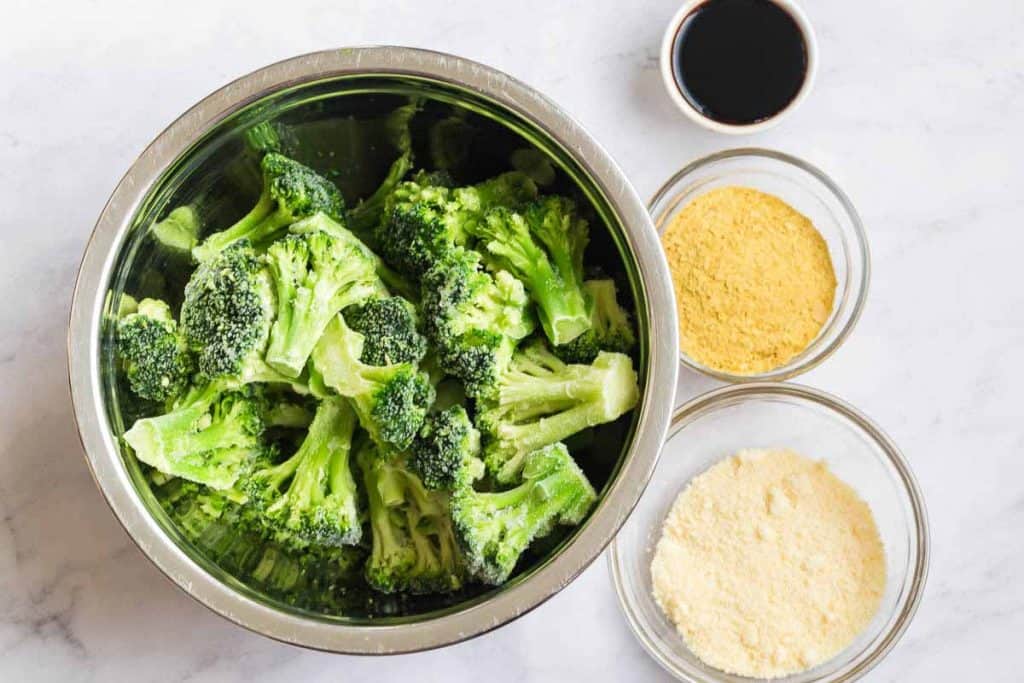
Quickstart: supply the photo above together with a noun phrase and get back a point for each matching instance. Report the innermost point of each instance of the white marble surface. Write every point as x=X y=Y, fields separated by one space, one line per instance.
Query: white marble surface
x=916 y=113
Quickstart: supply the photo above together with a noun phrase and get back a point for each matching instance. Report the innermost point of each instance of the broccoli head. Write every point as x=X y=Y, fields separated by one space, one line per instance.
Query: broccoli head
x=610 y=326
x=474 y=319
x=153 y=353
x=423 y=222
x=414 y=548
x=494 y=528
x=540 y=400
x=390 y=280
x=389 y=331
x=390 y=400
x=226 y=317
x=310 y=498
x=543 y=247
x=509 y=190
x=419 y=224
x=316 y=275
x=209 y=436
x=291 y=192
x=446 y=450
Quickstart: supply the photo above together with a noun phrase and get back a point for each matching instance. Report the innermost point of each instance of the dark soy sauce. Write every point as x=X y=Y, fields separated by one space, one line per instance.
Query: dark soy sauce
x=740 y=61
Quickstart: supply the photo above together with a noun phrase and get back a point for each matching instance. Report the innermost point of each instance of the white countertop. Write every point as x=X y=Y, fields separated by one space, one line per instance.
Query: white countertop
x=916 y=113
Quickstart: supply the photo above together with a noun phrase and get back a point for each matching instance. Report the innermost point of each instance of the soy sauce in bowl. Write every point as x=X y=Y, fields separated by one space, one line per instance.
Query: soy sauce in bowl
x=739 y=62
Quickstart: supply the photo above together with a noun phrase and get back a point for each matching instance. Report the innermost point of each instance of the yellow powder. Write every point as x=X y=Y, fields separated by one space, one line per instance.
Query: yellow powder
x=753 y=279
x=768 y=564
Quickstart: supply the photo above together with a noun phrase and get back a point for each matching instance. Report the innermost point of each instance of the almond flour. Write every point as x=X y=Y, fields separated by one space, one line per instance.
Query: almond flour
x=768 y=564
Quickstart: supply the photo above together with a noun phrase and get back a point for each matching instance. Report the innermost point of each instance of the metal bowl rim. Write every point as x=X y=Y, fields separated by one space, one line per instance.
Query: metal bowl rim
x=102 y=453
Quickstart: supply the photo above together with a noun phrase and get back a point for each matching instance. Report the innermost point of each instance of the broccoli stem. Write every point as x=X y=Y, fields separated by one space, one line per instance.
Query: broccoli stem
x=534 y=435
x=259 y=224
x=561 y=305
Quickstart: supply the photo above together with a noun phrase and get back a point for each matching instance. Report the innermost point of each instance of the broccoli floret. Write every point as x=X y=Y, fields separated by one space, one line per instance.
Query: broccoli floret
x=414 y=548
x=224 y=531
x=509 y=190
x=154 y=354
x=422 y=223
x=390 y=400
x=543 y=247
x=226 y=317
x=291 y=192
x=446 y=450
x=316 y=275
x=610 y=326
x=367 y=213
x=311 y=496
x=212 y=520
x=540 y=400
x=209 y=436
x=390 y=280
x=389 y=330
x=179 y=231
x=495 y=528
x=474 y=319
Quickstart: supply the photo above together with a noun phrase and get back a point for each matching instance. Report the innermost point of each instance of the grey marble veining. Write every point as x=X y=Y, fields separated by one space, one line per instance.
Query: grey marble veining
x=916 y=113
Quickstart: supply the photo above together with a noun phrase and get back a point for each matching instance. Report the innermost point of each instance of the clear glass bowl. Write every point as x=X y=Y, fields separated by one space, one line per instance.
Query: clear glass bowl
x=817 y=425
x=813 y=194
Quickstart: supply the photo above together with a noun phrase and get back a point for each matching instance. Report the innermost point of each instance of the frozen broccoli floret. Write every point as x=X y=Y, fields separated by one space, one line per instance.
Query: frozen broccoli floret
x=315 y=275
x=494 y=528
x=390 y=281
x=540 y=400
x=389 y=331
x=543 y=247
x=475 y=319
x=153 y=353
x=312 y=495
x=209 y=436
x=413 y=548
x=291 y=192
x=422 y=223
x=390 y=400
x=226 y=317
x=446 y=449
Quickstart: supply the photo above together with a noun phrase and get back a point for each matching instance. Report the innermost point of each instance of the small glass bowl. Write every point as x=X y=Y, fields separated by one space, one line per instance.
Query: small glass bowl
x=812 y=193
x=814 y=424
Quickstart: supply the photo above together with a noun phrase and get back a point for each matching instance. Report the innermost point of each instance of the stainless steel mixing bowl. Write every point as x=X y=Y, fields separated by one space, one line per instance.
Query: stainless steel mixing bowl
x=197 y=154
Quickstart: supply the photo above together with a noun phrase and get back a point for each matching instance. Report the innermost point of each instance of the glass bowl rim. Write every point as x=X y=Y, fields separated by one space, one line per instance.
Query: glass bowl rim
x=802 y=362
x=919 y=529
